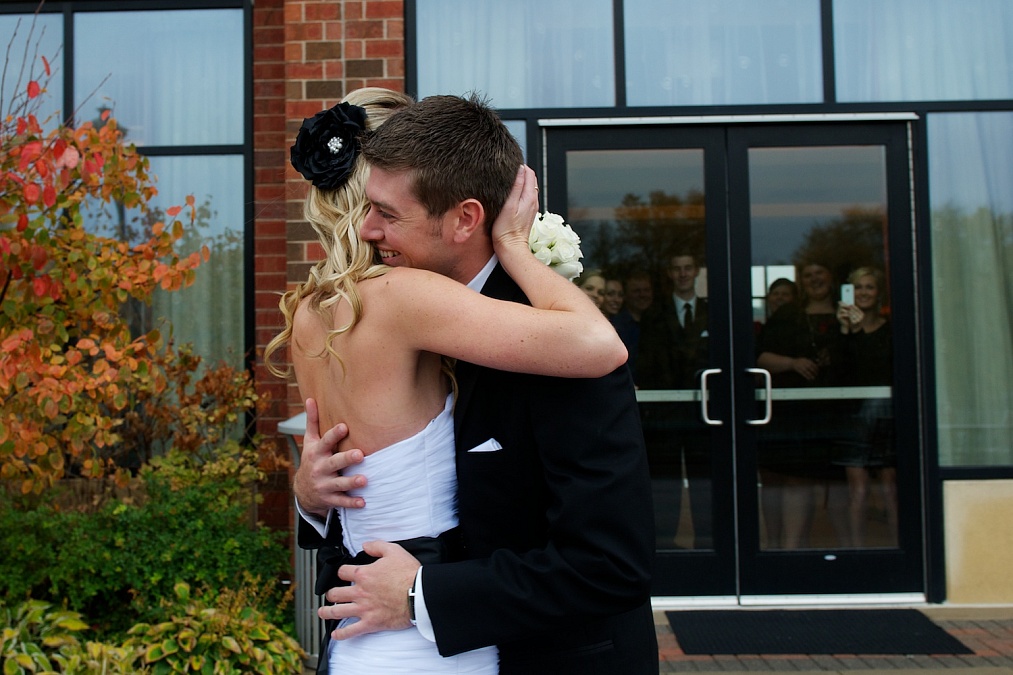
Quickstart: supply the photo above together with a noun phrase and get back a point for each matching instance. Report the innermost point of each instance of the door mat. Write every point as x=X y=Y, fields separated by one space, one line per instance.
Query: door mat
x=844 y=631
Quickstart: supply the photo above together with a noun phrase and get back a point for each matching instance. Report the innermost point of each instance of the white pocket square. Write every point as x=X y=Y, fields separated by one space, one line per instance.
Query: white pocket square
x=491 y=445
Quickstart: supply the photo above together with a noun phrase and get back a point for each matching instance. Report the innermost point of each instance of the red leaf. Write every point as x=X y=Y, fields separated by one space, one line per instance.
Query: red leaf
x=32 y=193
x=45 y=62
x=173 y=211
x=106 y=113
x=40 y=285
x=34 y=89
x=49 y=196
x=22 y=125
x=22 y=222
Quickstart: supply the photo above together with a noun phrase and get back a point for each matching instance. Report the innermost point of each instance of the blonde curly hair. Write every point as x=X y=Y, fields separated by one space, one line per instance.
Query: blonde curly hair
x=335 y=216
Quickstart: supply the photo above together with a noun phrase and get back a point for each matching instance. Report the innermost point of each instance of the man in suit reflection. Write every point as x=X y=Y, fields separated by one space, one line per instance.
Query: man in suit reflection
x=674 y=348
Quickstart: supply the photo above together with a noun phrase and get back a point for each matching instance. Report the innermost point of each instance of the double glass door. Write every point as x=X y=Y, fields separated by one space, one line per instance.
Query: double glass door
x=766 y=274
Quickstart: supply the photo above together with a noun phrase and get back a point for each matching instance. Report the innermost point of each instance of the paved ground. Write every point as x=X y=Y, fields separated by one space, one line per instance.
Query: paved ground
x=988 y=631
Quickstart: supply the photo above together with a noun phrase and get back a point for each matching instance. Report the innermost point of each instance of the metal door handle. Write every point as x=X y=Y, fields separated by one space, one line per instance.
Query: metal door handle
x=704 y=395
x=770 y=402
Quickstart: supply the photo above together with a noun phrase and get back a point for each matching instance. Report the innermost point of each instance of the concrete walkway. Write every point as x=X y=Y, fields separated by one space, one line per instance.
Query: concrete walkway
x=986 y=630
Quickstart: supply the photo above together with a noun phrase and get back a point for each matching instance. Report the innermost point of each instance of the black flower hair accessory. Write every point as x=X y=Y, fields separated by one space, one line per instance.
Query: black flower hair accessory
x=327 y=145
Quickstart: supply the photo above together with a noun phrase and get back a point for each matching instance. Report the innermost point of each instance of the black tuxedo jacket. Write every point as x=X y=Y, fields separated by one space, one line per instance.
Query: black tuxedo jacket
x=671 y=355
x=558 y=523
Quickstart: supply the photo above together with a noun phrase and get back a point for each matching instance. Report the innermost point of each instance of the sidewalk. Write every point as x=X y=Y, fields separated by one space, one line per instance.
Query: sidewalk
x=986 y=630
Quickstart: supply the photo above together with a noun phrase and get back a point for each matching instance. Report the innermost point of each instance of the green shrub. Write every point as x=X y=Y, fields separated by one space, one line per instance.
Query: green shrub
x=115 y=564
x=223 y=636
x=33 y=634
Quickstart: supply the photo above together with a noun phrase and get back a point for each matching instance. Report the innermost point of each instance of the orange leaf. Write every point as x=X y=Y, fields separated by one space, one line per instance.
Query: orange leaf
x=45 y=63
x=189 y=200
x=106 y=113
x=34 y=89
x=173 y=211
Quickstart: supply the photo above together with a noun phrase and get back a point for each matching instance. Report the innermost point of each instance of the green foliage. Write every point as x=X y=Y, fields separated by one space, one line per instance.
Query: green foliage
x=98 y=657
x=222 y=636
x=113 y=565
x=33 y=634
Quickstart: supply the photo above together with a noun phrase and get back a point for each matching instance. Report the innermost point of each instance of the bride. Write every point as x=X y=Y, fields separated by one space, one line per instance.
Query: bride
x=374 y=346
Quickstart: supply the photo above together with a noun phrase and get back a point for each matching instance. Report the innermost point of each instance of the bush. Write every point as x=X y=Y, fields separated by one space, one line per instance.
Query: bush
x=224 y=635
x=115 y=564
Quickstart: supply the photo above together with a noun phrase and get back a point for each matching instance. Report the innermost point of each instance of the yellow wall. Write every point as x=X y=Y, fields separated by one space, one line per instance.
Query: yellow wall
x=979 y=541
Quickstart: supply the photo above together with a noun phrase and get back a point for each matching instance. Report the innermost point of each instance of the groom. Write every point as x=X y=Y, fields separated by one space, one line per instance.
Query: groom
x=554 y=491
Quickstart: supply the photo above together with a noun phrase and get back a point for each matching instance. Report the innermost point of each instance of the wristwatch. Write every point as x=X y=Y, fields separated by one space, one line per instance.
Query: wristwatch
x=411 y=603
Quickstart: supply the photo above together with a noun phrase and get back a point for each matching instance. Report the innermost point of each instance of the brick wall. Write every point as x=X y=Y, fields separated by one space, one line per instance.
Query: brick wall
x=307 y=54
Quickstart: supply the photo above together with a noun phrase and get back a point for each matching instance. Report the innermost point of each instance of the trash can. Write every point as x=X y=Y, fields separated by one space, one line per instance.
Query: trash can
x=308 y=625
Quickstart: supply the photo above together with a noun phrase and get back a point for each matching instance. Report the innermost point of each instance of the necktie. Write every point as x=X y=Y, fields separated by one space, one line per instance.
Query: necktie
x=687 y=315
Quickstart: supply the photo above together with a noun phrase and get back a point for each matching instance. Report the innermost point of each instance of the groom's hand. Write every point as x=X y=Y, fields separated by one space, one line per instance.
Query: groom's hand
x=318 y=484
x=379 y=594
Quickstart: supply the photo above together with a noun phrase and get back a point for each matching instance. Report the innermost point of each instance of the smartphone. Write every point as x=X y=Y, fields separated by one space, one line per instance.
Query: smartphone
x=848 y=294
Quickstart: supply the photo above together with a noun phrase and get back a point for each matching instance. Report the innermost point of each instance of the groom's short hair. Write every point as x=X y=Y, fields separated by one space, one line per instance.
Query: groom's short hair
x=456 y=148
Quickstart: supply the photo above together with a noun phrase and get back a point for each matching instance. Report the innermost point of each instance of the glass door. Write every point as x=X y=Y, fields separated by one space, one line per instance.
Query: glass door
x=773 y=449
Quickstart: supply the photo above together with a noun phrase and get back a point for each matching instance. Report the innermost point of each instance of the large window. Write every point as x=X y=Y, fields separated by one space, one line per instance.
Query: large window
x=175 y=82
x=722 y=52
x=522 y=53
x=970 y=171
x=911 y=50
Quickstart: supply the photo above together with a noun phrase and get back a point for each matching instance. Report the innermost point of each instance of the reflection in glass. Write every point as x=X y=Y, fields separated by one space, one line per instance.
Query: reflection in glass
x=827 y=459
x=970 y=171
x=912 y=50
x=34 y=36
x=722 y=52
x=171 y=77
x=521 y=54
x=640 y=216
x=208 y=314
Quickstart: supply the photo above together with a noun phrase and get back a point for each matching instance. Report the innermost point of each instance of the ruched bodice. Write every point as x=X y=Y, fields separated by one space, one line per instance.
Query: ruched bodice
x=411 y=491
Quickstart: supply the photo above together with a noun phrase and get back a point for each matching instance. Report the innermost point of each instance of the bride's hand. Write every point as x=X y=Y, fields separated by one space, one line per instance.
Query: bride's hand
x=513 y=225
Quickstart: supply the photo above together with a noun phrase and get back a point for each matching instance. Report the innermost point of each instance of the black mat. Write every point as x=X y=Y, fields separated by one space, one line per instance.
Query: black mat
x=833 y=631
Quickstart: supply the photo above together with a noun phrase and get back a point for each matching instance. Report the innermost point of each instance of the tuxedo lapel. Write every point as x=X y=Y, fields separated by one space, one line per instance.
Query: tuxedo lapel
x=500 y=286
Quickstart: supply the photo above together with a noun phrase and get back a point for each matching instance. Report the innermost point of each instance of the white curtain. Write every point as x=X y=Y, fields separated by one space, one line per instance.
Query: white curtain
x=923 y=50
x=171 y=77
x=521 y=54
x=970 y=173
x=722 y=52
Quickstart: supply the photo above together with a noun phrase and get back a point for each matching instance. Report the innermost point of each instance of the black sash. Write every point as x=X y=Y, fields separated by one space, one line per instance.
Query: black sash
x=447 y=547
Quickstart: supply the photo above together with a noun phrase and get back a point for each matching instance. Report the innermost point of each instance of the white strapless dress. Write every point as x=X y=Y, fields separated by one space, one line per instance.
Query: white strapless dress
x=411 y=492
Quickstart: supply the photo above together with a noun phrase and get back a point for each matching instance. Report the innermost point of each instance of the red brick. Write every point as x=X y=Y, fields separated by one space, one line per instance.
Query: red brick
x=325 y=11
x=384 y=48
x=363 y=29
x=384 y=9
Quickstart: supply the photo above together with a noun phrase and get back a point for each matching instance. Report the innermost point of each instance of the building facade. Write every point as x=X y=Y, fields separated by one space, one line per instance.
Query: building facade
x=704 y=151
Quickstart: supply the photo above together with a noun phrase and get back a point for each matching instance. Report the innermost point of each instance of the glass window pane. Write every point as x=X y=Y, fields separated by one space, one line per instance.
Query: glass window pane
x=910 y=50
x=970 y=171
x=171 y=77
x=27 y=38
x=208 y=314
x=519 y=130
x=720 y=52
x=521 y=54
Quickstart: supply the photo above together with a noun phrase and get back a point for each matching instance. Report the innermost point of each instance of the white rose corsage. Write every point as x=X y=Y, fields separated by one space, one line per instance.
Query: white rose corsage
x=556 y=244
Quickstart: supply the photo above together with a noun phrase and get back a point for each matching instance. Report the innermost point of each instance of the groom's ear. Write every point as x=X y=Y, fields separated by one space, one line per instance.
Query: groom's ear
x=469 y=219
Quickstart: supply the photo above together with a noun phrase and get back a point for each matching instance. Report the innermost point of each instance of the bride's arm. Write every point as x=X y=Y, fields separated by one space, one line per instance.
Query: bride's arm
x=562 y=334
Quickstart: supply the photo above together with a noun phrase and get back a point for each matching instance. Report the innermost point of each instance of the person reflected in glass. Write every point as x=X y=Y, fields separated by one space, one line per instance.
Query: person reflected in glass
x=639 y=295
x=592 y=282
x=613 y=297
x=782 y=291
x=867 y=361
x=798 y=346
x=674 y=349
